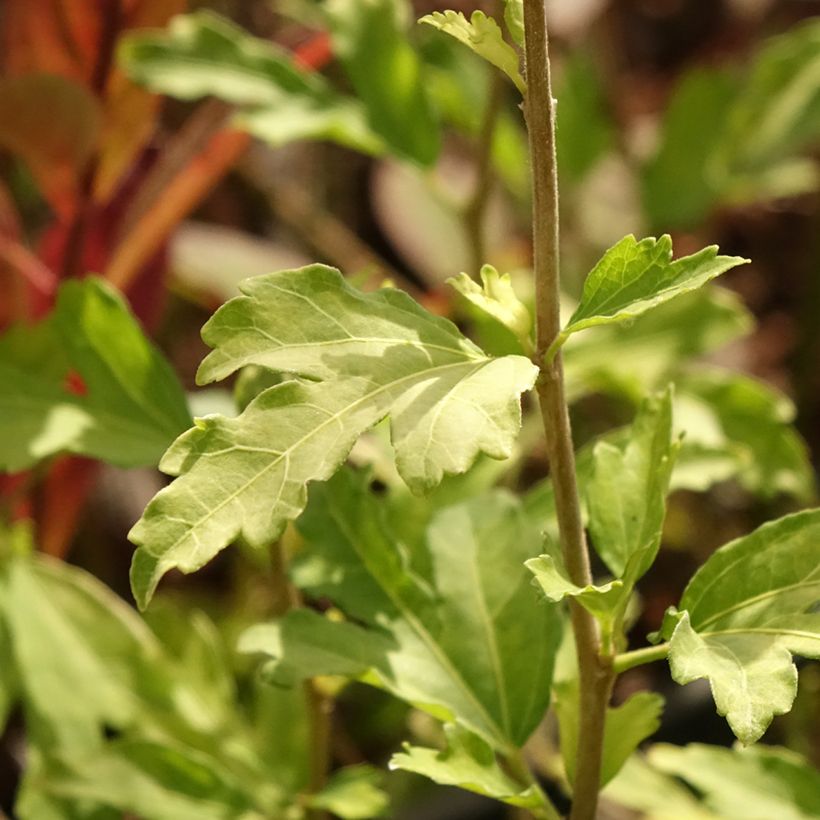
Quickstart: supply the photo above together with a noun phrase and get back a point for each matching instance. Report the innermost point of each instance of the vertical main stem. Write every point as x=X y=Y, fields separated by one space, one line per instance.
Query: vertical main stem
x=595 y=673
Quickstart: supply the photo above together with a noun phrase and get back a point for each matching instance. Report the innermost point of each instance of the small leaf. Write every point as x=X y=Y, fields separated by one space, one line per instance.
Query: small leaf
x=370 y=39
x=514 y=18
x=447 y=628
x=743 y=613
x=352 y=793
x=496 y=297
x=627 y=494
x=367 y=356
x=86 y=381
x=469 y=763
x=553 y=580
x=633 y=277
x=203 y=54
x=483 y=36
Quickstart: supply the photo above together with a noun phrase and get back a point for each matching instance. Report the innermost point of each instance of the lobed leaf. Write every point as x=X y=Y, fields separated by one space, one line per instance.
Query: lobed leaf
x=202 y=54
x=371 y=356
x=86 y=381
x=743 y=614
x=633 y=277
x=483 y=36
x=448 y=630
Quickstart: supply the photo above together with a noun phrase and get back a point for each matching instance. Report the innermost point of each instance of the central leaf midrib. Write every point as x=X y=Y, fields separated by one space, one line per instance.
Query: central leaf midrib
x=432 y=644
x=285 y=453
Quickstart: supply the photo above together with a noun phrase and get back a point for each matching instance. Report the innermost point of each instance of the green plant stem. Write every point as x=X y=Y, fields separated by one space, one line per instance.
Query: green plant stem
x=286 y=597
x=638 y=657
x=596 y=675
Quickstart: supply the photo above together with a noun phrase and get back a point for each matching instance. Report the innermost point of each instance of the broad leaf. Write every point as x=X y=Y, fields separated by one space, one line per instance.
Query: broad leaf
x=469 y=763
x=758 y=783
x=743 y=614
x=633 y=277
x=370 y=39
x=626 y=497
x=202 y=54
x=373 y=355
x=352 y=793
x=496 y=297
x=483 y=36
x=450 y=631
x=86 y=381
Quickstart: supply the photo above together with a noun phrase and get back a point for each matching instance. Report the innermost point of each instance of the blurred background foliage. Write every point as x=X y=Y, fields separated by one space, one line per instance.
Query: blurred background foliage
x=175 y=157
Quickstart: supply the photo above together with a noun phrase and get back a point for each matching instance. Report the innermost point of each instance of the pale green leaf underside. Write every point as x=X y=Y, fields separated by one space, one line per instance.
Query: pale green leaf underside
x=367 y=356
x=633 y=277
x=204 y=55
x=469 y=763
x=746 y=610
x=496 y=297
x=483 y=36
x=514 y=18
x=553 y=581
x=129 y=406
x=456 y=642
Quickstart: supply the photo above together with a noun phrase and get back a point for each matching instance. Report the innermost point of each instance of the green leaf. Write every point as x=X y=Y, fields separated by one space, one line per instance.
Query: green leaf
x=679 y=184
x=775 y=116
x=450 y=630
x=126 y=405
x=370 y=39
x=633 y=277
x=483 y=36
x=149 y=779
x=745 y=611
x=496 y=297
x=202 y=55
x=746 y=425
x=371 y=355
x=749 y=784
x=626 y=497
x=352 y=793
x=642 y=787
x=553 y=580
x=469 y=763
x=514 y=19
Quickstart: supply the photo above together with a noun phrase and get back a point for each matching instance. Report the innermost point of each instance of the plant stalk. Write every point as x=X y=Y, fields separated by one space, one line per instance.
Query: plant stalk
x=638 y=657
x=595 y=672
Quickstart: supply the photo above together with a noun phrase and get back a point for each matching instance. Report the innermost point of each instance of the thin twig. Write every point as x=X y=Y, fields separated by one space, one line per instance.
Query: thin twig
x=595 y=673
